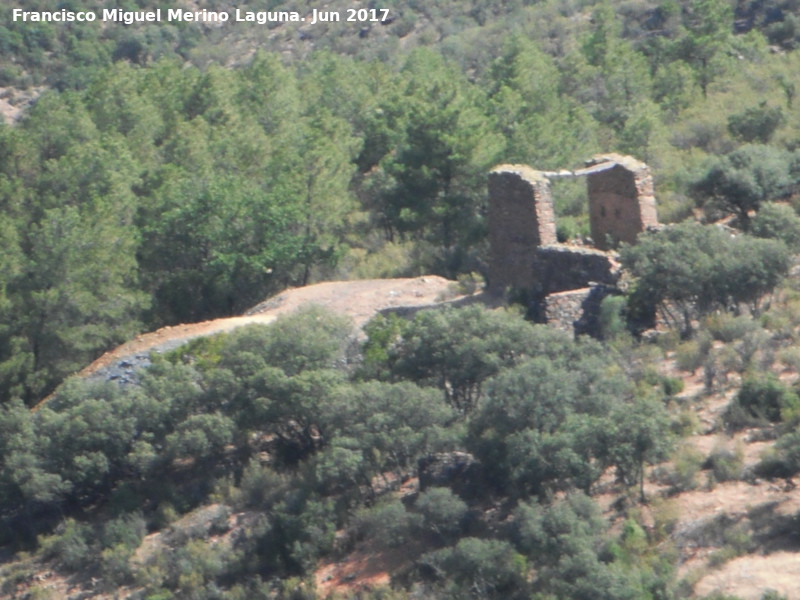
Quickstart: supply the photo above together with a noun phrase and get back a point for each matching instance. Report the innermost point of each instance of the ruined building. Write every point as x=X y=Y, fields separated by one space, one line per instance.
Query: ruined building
x=565 y=283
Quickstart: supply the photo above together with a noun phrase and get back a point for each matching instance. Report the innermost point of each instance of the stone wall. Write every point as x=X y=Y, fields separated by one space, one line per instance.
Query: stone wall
x=576 y=311
x=621 y=200
x=564 y=309
x=521 y=218
x=558 y=268
x=565 y=284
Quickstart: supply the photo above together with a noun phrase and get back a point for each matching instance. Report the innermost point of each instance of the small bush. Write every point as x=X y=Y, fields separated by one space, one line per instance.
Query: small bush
x=40 y=593
x=726 y=360
x=773 y=464
x=672 y=386
x=691 y=355
x=469 y=283
x=754 y=345
x=777 y=221
x=115 y=565
x=388 y=523
x=612 y=317
x=567 y=228
x=682 y=476
x=725 y=464
x=127 y=530
x=70 y=545
x=666 y=516
x=477 y=568
x=260 y=486
x=756 y=124
x=737 y=541
x=790 y=357
x=783 y=460
x=760 y=400
x=442 y=512
x=719 y=557
x=727 y=328
x=686 y=423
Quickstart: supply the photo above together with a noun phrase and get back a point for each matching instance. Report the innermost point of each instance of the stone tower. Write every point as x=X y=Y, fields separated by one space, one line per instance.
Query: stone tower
x=521 y=219
x=621 y=200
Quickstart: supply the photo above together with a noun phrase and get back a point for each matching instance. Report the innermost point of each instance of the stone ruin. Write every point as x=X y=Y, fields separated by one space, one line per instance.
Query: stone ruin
x=565 y=283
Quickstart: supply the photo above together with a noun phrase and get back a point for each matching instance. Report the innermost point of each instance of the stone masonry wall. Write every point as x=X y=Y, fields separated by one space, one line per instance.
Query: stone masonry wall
x=577 y=311
x=621 y=199
x=565 y=284
x=521 y=218
x=558 y=268
x=564 y=309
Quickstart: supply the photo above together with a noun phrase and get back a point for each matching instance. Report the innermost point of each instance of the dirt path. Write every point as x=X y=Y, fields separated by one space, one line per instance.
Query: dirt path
x=359 y=300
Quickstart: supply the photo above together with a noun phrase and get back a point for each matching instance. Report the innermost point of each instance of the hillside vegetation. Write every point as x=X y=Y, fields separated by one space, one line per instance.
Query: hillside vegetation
x=150 y=192
x=170 y=173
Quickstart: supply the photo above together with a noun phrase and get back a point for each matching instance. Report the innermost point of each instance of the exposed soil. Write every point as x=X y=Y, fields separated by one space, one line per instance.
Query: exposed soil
x=14 y=102
x=767 y=510
x=748 y=577
x=359 y=300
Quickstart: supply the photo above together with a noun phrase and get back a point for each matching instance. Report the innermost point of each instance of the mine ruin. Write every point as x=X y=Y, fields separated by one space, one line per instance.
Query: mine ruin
x=565 y=283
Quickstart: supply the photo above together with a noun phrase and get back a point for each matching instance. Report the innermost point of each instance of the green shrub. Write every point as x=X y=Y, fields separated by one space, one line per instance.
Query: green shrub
x=115 y=565
x=469 y=283
x=161 y=595
x=691 y=355
x=686 y=423
x=725 y=464
x=567 y=228
x=783 y=460
x=612 y=319
x=756 y=124
x=672 y=386
x=442 y=512
x=260 y=485
x=779 y=222
x=666 y=516
x=773 y=464
x=127 y=530
x=388 y=523
x=683 y=474
x=727 y=328
x=790 y=357
x=479 y=568
x=70 y=545
x=40 y=593
x=736 y=541
x=761 y=400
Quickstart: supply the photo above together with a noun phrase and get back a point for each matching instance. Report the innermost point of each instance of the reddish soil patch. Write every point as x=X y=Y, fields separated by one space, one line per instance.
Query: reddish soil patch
x=366 y=568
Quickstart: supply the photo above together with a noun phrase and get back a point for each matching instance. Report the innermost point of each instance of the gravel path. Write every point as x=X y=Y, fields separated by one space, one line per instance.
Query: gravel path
x=359 y=300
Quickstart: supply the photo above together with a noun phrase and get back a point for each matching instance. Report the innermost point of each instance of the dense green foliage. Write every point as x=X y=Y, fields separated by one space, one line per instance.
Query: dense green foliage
x=162 y=178
x=553 y=415
x=692 y=270
x=197 y=190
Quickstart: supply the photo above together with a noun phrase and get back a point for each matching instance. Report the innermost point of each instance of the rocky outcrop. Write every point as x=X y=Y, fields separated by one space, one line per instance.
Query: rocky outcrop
x=460 y=471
